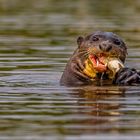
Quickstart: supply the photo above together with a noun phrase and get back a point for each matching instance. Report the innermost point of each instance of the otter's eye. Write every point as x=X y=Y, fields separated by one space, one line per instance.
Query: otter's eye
x=95 y=38
x=117 y=42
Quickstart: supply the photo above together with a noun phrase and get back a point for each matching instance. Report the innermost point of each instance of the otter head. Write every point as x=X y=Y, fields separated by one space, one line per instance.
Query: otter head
x=103 y=44
x=98 y=56
x=101 y=47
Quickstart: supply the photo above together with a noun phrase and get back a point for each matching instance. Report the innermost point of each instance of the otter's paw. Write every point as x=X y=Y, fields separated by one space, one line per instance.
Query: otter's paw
x=127 y=76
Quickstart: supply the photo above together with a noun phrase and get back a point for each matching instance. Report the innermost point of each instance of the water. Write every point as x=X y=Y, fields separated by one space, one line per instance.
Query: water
x=36 y=41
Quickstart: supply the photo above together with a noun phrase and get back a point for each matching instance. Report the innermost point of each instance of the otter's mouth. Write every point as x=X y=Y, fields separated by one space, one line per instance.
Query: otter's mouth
x=99 y=62
x=102 y=63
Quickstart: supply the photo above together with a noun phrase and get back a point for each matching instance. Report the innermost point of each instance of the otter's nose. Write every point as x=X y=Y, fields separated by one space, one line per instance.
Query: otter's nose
x=105 y=46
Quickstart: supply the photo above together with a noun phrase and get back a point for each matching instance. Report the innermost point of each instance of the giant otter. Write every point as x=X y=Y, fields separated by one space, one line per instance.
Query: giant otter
x=88 y=64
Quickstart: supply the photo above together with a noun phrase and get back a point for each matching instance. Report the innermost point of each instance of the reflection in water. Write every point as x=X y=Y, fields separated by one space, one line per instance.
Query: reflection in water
x=98 y=98
x=101 y=104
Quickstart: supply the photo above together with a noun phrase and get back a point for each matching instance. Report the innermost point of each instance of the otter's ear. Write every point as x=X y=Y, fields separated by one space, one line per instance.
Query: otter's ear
x=80 y=39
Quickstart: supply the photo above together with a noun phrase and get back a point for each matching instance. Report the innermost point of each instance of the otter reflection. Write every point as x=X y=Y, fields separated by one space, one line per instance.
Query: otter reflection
x=101 y=104
x=101 y=99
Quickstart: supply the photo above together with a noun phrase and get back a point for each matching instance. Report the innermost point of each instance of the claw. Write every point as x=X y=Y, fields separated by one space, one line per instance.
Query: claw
x=127 y=76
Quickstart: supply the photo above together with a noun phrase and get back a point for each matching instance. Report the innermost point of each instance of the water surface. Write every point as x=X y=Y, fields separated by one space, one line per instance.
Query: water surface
x=36 y=40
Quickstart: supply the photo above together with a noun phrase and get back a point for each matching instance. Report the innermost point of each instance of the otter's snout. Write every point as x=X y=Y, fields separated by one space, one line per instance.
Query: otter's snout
x=105 y=46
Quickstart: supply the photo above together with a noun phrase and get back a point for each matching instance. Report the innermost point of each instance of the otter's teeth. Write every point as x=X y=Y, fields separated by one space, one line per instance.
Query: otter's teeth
x=97 y=63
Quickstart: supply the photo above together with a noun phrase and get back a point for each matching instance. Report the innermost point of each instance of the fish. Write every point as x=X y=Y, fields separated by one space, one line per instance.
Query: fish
x=109 y=65
x=113 y=65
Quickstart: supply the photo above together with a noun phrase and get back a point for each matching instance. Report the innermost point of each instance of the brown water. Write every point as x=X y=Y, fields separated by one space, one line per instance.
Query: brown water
x=36 y=40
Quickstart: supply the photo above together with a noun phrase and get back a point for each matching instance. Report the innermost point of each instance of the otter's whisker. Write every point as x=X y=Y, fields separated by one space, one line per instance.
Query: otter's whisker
x=85 y=55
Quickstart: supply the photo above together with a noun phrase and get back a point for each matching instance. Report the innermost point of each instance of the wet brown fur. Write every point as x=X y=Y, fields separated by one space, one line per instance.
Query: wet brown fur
x=95 y=43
